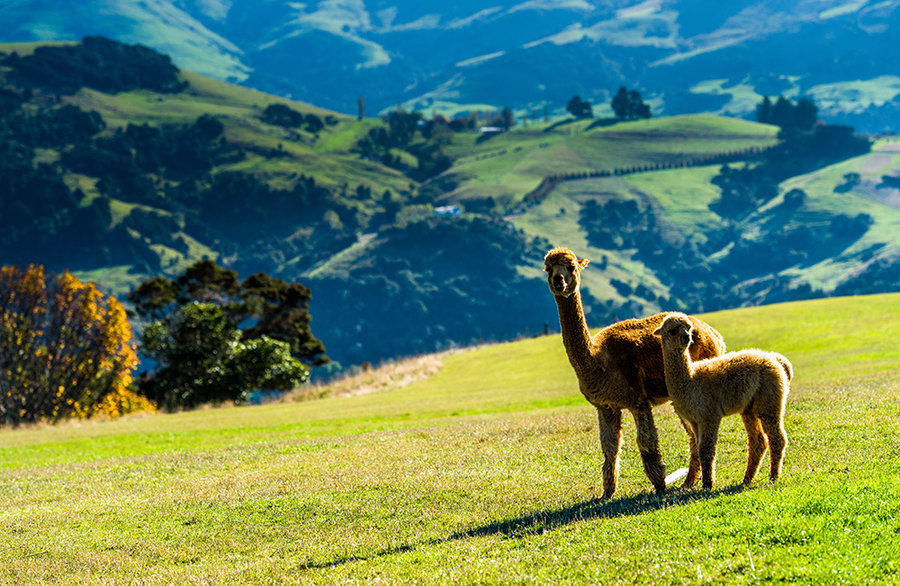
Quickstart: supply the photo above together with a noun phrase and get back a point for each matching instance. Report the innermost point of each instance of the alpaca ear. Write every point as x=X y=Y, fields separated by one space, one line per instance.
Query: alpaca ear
x=582 y=262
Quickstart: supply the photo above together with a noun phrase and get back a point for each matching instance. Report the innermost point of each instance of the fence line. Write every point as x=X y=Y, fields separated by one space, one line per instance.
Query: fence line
x=550 y=182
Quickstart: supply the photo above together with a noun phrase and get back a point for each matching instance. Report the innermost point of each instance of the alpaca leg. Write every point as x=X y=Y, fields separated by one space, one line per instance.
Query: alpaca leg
x=773 y=425
x=694 y=465
x=756 y=444
x=648 y=443
x=610 y=420
x=708 y=437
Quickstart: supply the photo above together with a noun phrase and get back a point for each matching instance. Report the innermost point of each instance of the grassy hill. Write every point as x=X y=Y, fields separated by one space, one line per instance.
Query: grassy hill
x=389 y=276
x=681 y=197
x=486 y=472
x=508 y=166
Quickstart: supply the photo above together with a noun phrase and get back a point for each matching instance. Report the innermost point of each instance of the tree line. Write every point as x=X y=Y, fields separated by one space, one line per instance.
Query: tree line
x=68 y=350
x=626 y=105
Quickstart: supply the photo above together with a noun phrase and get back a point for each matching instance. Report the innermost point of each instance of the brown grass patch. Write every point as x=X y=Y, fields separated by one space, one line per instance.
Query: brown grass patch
x=386 y=377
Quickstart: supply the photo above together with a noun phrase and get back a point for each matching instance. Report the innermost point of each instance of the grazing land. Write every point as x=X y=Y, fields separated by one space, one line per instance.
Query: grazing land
x=488 y=471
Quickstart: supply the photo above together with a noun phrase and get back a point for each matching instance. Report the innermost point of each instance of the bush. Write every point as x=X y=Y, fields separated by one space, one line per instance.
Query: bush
x=202 y=359
x=66 y=349
x=98 y=63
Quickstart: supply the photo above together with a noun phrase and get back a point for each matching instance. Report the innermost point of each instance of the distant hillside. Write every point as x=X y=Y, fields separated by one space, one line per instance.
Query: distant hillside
x=415 y=233
x=686 y=56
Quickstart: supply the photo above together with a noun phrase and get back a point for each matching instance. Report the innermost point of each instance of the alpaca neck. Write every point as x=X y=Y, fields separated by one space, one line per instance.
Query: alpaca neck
x=575 y=333
x=677 y=364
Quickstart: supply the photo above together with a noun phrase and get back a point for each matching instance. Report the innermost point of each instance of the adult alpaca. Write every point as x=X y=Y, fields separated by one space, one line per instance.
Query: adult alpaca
x=621 y=367
x=751 y=382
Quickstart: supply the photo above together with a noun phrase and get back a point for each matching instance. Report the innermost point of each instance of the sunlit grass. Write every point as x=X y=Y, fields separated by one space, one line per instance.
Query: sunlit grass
x=486 y=472
x=510 y=165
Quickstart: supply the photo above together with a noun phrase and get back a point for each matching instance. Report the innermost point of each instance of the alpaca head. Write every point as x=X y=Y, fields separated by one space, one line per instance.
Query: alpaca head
x=676 y=331
x=563 y=271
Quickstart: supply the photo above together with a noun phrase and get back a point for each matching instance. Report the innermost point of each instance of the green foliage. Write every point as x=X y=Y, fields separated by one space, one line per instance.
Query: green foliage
x=281 y=115
x=53 y=128
x=801 y=116
x=124 y=160
x=65 y=348
x=98 y=63
x=803 y=147
x=399 y=132
x=431 y=284
x=629 y=105
x=202 y=358
x=264 y=363
x=580 y=109
x=261 y=306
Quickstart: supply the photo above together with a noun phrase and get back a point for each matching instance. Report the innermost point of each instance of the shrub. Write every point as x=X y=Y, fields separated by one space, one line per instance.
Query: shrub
x=66 y=349
x=202 y=359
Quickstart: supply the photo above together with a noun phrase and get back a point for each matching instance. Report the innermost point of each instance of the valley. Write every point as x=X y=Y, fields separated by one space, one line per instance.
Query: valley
x=348 y=208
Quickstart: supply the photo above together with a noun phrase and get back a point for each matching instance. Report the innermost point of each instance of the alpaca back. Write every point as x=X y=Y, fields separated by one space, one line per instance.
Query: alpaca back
x=785 y=364
x=735 y=379
x=630 y=347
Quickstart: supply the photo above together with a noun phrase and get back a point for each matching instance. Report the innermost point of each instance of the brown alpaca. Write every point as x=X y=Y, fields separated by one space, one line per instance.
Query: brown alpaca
x=620 y=368
x=750 y=382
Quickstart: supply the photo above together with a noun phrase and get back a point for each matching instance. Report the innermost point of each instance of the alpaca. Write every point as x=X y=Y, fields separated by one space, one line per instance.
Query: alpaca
x=620 y=368
x=750 y=382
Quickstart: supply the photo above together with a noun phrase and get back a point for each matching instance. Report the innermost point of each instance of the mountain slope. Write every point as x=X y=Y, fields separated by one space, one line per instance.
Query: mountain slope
x=411 y=235
x=686 y=56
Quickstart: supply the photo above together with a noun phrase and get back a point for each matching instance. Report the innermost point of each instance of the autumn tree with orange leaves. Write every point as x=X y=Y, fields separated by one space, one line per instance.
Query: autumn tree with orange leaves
x=66 y=349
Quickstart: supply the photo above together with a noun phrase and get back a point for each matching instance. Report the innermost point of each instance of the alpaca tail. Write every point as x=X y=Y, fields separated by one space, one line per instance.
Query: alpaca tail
x=785 y=364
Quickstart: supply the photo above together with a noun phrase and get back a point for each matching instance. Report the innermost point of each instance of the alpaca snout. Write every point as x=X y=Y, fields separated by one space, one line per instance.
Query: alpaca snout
x=685 y=338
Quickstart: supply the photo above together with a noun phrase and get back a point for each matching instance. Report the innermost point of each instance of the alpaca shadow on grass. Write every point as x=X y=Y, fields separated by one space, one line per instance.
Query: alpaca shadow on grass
x=543 y=521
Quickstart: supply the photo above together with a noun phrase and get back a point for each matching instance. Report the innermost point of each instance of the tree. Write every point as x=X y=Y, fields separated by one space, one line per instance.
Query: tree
x=806 y=113
x=66 y=349
x=260 y=305
x=203 y=358
x=217 y=338
x=764 y=111
x=507 y=119
x=579 y=108
x=629 y=105
x=783 y=113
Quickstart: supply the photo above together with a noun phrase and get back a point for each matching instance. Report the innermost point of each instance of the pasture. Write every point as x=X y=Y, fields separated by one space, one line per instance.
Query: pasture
x=487 y=472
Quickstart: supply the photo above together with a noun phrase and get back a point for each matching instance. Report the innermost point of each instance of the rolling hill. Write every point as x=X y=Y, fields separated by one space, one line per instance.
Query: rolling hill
x=120 y=184
x=487 y=471
x=686 y=56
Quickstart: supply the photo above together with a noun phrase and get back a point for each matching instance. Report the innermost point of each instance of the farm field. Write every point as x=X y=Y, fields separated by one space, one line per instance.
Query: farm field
x=488 y=472
x=508 y=166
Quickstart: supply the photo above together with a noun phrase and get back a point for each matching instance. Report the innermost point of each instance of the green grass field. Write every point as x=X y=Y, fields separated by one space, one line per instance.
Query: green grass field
x=510 y=165
x=487 y=472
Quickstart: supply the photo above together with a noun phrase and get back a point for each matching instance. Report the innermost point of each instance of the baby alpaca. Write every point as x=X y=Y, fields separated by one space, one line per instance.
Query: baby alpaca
x=753 y=383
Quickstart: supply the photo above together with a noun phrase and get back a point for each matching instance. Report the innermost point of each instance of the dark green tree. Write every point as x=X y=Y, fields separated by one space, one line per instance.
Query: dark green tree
x=579 y=108
x=202 y=357
x=764 y=111
x=507 y=119
x=260 y=305
x=783 y=113
x=629 y=105
x=806 y=114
